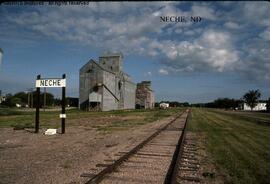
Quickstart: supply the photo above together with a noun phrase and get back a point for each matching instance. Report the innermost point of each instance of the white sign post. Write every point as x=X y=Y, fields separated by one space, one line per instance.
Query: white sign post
x=51 y=83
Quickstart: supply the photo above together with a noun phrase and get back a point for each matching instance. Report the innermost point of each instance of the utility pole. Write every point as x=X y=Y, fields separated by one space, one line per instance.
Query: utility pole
x=37 y=107
x=28 y=99
x=32 y=99
x=44 y=105
x=63 y=123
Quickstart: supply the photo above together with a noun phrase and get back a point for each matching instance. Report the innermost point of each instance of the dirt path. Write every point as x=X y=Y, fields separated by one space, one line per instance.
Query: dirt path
x=35 y=158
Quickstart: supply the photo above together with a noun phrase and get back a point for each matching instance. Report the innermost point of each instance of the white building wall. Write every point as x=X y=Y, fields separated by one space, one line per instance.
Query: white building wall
x=258 y=107
x=87 y=81
x=104 y=80
x=129 y=95
x=109 y=102
x=164 y=105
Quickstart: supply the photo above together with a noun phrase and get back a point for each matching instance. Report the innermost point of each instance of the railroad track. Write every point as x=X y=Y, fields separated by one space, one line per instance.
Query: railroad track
x=152 y=161
x=187 y=168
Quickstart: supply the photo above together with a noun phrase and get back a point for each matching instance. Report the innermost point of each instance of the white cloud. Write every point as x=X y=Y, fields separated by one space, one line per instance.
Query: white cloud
x=212 y=50
x=204 y=12
x=256 y=64
x=148 y=74
x=251 y=11
x=189 y=32
x=134 y=28
x=265 y=35
x=232 y=25
x=162 y=71
x=215 y=39
x=178 y=31
x=218 y=49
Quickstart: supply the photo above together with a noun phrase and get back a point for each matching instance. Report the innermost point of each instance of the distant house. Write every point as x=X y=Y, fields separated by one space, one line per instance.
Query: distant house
x=2 y=99
x=145 y=95
x=164 y=105
x=259 y=107
x=18 y=105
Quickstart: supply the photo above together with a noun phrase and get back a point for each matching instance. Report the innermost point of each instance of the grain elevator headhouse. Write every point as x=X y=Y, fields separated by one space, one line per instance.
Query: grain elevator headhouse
x=104 y=86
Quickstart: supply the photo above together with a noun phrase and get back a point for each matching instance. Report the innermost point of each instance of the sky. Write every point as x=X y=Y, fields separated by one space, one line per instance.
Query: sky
x=225 y=54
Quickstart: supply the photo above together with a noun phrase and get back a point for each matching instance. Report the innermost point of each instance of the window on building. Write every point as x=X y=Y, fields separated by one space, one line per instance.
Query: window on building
x=95 y=89
x=119 y=85
x=89 y=71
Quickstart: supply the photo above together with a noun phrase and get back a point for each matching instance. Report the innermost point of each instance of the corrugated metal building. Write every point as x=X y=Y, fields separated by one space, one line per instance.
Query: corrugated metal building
x=104 y=86
x=145 y=95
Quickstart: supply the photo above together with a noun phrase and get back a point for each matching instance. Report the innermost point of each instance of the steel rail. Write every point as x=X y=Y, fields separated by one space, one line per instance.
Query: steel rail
x=112 y=167
x=173 y=169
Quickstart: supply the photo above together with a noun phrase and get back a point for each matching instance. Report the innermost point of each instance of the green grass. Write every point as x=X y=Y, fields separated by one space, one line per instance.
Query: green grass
x=149 y=116
x=239 y=146
x=10 y=112
x=13 y=118
x=249 y=116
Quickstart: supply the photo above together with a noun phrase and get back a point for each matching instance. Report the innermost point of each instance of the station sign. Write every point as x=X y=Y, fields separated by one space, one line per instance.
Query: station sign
x=50 y=83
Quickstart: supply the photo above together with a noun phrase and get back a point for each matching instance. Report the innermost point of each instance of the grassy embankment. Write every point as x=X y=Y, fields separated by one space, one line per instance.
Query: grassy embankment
x=238 y=144
x=13 y=118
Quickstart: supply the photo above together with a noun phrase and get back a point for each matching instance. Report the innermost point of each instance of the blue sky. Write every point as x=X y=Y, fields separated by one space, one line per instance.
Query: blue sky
x=224 y=55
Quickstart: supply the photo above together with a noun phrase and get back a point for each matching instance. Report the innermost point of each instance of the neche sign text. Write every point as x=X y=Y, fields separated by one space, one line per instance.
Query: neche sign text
x=47 y=83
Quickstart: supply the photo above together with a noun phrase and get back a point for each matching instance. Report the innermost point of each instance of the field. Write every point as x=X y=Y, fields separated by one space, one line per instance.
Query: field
x=236 y=142
x=106 y=121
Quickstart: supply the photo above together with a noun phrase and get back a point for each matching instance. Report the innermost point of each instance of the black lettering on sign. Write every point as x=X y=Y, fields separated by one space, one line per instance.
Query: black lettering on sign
x=195 y=19
x=54 y=82
x=163 y=19
x=50 y=83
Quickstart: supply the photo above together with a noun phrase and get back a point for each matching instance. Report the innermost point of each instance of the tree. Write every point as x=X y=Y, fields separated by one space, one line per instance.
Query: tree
x=252 y=97
x=225 y=103
x=49 y=99
x=15 y=101
x=8 y=101
x=22 y=98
